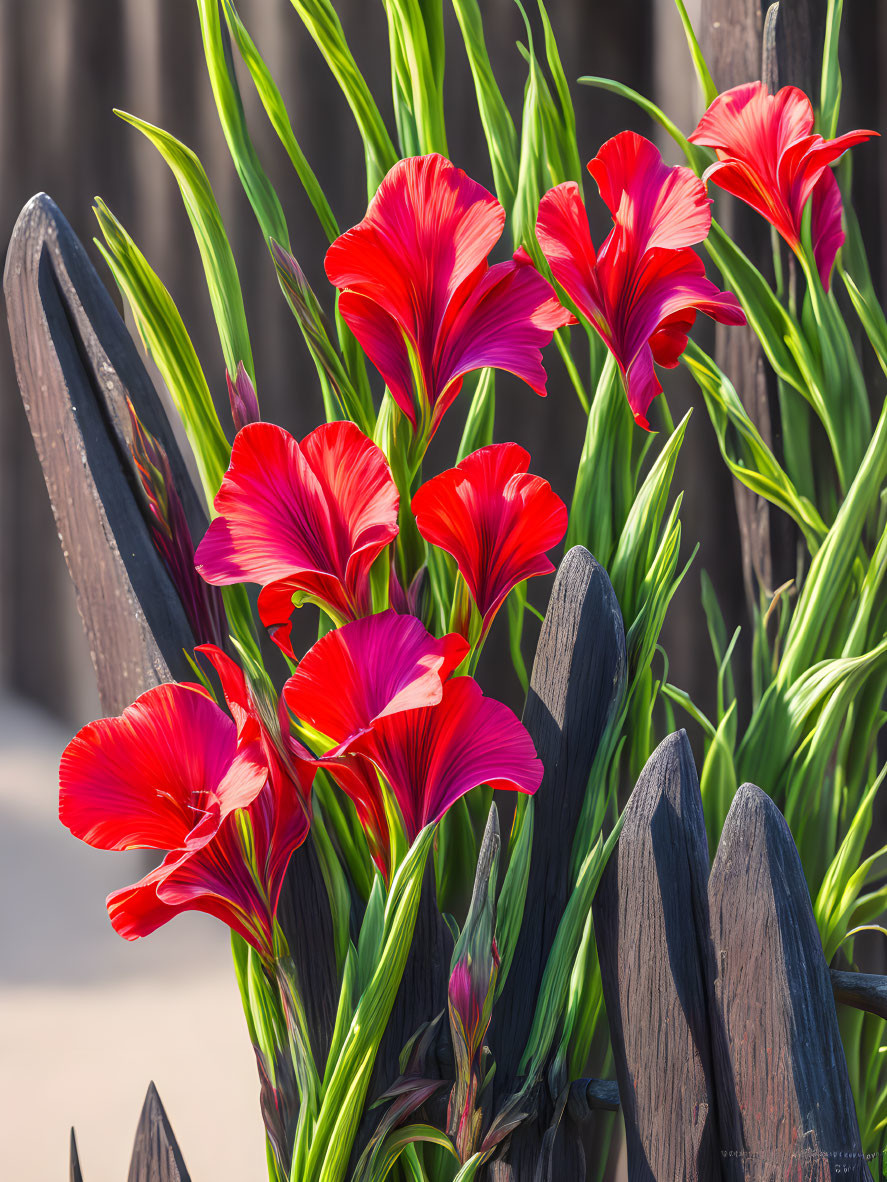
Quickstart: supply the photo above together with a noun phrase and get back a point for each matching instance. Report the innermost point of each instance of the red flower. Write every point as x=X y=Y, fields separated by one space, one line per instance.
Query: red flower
x=495 y=519
x=769 y=157
x=420 y=298
x=368 y=669
x=302 y=519
x=642 y=290
x=169 y=774
x=433 y=756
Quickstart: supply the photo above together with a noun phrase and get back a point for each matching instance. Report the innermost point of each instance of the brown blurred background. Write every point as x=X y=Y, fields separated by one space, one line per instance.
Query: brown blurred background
x=64 y=64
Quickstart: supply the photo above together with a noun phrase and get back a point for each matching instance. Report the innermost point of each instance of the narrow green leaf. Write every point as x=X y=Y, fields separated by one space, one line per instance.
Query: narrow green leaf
x=169 y=346
x=272 y=101
x=706 y=82
x=212 y=241
x=497 y=123
x=219 y=63
x=323 y=24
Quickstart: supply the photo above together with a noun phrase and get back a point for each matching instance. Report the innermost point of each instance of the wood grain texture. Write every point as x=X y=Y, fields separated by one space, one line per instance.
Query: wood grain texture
x=651 y=926
x=75 y=362
x=862 y=991
x=784 y=1062
x=578 y=678
x=156 y=1156
x=577 y=683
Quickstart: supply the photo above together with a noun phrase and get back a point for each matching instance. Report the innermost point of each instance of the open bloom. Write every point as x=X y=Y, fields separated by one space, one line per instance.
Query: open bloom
x=769 y=157
x=641 y=291
x=170 y=774
x=495 y=519
x=418 y=294
x=381 y=692
x=304 y=520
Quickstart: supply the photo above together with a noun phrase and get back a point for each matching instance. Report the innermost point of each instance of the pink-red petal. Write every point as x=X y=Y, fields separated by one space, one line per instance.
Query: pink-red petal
x=657 y=205
x=369 y=669
x=163 y=774
x=495 y=519
x=307 y=518
x=432 y=757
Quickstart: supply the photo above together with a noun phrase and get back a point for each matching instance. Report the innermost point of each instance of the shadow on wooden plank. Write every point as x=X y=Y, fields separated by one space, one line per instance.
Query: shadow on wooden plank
x=784 y=1057
x=651 y=926
x=156 y=1156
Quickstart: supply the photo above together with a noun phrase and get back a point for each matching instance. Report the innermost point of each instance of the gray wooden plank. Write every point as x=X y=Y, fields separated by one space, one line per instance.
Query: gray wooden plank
x=75 y=362
x=784 y=1061
x=651 y=927
x=156 y=1156
x=577 y=681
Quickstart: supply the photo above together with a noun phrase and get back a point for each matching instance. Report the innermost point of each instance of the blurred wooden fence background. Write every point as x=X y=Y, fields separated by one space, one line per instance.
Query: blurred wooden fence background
x=64 y=65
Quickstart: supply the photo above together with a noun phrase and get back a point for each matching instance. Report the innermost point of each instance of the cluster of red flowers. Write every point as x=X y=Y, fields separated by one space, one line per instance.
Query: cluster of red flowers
x=379 y=699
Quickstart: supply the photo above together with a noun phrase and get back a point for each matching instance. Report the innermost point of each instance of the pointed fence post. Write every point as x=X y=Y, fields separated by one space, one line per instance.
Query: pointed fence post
x=577 y=684
x=156 y=1156
x=75 y=1174
x=784 y=1060
x=652 y=932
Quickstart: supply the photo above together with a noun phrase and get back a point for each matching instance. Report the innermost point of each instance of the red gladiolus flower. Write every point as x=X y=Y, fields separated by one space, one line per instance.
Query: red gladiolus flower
x=368 y=669
x=169 y=774
x=495 y=519
x=769 y=157
x=641 y=291
x=305 y=520
x=420 y=298
x=433 y=756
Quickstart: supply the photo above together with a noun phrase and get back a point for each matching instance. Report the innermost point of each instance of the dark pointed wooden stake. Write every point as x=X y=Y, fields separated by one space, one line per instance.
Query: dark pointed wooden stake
x=75 y=1174
x=577 y=683
x=774 y=993
x=156 y=1156
x=651 y=926
x=576 y=687
x=76 y=363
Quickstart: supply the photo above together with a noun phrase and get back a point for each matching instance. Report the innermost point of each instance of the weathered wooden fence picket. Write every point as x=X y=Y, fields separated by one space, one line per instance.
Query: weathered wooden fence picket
x=720 y=1004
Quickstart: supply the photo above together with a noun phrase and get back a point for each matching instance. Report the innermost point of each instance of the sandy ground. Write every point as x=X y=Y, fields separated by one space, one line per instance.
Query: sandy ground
x=87 y=1019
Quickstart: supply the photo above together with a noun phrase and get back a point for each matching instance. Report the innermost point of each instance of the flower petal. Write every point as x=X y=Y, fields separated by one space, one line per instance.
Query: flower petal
x=163 y=774
x=368 y=669
x=826 y=229
x=657 y=205
x=427 y=228
x=309 y=517
x=503 y=321
x=565 y=238
x=432 y=757
x=495 y=519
